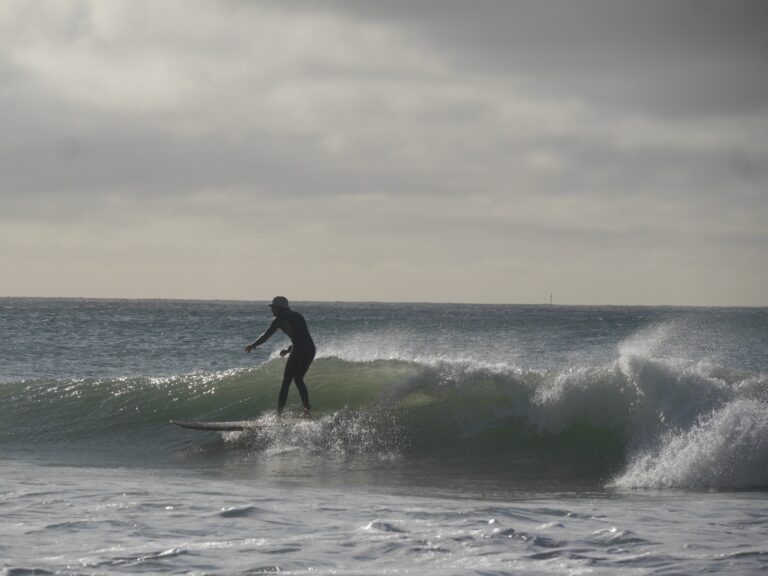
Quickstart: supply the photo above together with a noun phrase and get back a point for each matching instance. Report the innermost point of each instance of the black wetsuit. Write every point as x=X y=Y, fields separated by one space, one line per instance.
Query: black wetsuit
x=302 y=353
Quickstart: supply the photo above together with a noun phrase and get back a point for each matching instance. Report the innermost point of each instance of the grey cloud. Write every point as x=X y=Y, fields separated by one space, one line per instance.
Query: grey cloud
x=50 y=148
x=679 y=57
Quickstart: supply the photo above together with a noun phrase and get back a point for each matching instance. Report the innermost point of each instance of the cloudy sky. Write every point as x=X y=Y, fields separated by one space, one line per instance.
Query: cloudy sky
x=609 y=152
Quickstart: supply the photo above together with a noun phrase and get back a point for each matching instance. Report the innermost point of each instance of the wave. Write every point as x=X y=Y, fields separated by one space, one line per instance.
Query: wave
x=642 y=421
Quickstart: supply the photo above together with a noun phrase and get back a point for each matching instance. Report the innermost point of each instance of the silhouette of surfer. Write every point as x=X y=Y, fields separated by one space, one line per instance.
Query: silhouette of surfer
x=301 y=350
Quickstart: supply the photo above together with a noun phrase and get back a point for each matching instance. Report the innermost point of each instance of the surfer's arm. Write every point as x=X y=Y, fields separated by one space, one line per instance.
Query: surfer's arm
x=264 y=337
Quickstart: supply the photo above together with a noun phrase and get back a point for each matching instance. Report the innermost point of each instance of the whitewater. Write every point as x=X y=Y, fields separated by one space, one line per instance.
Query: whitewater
x=446 y=439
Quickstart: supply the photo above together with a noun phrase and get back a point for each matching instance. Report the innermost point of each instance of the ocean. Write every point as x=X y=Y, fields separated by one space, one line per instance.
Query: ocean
x=445 y=439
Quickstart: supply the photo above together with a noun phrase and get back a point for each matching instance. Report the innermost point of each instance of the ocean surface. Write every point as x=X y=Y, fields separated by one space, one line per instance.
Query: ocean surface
x=446 y=439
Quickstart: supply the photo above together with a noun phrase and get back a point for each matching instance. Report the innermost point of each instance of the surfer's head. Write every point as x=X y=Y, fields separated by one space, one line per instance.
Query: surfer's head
x=279 y=303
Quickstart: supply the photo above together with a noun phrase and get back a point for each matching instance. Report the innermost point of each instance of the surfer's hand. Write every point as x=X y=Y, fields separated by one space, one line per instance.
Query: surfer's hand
x=249 y=348
x=283 y=353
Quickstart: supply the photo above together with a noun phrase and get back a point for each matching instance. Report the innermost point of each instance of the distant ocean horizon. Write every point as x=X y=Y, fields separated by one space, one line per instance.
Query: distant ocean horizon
x=437 y=302
x=446 y=438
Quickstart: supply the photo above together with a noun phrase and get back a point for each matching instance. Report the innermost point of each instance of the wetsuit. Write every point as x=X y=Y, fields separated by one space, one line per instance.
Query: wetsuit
x=302 y=351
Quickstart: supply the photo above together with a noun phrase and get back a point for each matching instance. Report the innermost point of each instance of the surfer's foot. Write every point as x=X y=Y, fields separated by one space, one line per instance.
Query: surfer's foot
x=307 y=413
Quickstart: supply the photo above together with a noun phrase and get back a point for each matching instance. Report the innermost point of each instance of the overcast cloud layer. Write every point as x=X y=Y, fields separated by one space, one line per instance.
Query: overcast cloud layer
x=608 y=152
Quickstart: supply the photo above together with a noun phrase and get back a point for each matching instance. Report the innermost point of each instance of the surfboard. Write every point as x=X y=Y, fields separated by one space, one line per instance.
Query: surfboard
x=233 y=426
x=218 y=426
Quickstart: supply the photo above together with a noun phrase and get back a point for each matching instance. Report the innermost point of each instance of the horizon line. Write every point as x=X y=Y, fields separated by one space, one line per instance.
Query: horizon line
x=393 y=302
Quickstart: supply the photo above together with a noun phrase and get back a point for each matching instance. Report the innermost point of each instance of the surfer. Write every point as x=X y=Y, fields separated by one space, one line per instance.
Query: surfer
x=301 y=350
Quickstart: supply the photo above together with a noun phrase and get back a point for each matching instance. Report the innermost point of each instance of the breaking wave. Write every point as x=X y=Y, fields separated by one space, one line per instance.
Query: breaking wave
x=647 y=422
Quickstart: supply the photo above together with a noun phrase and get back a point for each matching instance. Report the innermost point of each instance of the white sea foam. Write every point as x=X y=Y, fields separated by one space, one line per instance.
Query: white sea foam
x=727 y=448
